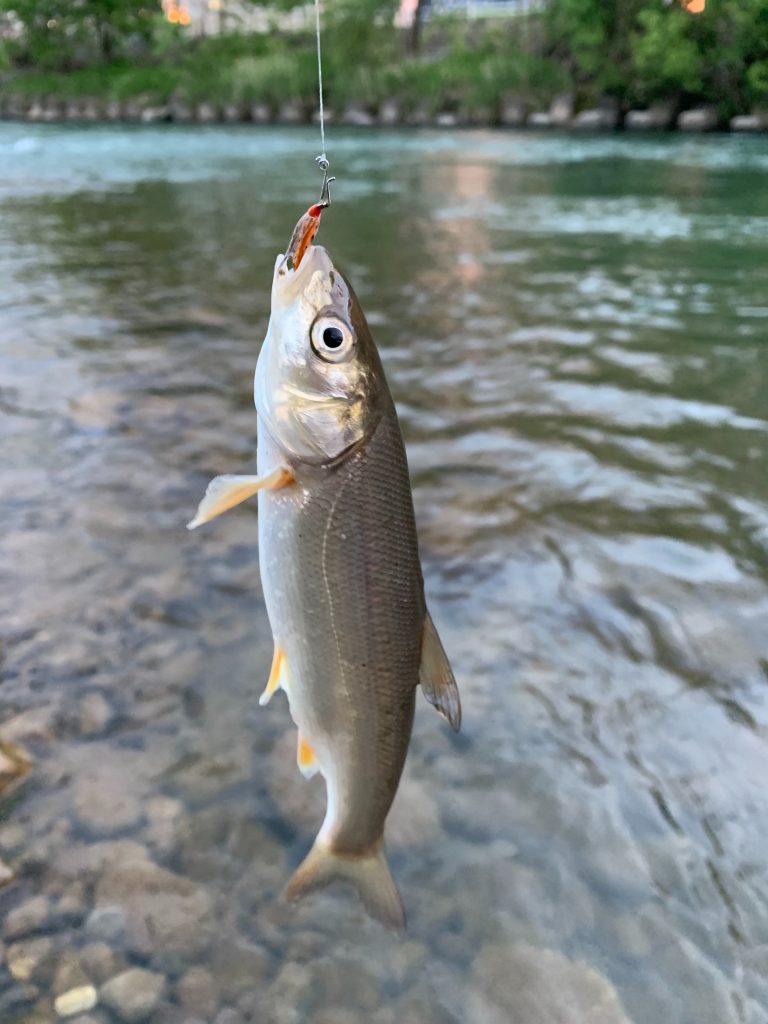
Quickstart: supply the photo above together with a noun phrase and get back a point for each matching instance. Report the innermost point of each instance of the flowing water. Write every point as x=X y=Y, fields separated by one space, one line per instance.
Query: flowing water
x=574 y=330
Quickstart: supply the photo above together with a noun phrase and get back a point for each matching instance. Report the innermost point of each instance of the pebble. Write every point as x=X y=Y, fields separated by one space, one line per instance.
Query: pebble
x=164 y=912
x=76 y=1000
x=197 y=992
x=27 y=960
x=6 y=874
x=69 y=973
x=28 y=918
x=103 y=804
x=70 y=909
x=239 y=966
x=99 y=961
x=229 y=1016
x=134 y=994
x=96 y=714
x=12 y=837
x=106 y=923
x=519 y=984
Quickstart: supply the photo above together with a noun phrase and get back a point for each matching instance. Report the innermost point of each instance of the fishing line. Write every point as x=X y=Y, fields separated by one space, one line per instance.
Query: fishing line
x=322 y=159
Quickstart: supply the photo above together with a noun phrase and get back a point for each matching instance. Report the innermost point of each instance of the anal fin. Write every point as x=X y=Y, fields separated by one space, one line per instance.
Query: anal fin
x=436 y=676
x=305 y=759
x=225 y=492
x=276 y=676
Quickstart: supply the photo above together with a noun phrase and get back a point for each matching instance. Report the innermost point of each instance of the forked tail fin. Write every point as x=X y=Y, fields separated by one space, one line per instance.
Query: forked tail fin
x=369 y=874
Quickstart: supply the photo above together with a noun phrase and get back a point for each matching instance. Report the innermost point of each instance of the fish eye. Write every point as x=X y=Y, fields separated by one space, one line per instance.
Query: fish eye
x=332 y=339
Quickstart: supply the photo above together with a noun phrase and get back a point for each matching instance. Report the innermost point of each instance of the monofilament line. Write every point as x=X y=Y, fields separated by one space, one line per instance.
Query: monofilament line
x=322 y=159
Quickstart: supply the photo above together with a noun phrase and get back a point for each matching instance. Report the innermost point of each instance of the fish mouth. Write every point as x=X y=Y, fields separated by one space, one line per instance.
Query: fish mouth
x=288 y=282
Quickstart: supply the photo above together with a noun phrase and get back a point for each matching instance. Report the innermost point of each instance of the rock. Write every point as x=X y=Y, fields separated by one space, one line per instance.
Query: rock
x=447 y=119
x=95 y=714
x=206 y=112
x=35 y=725
x=69 y=974
x=390 y=112
x=229 y=1016
x=293 y=989
x=164 y=815
x=155 y=115
x=291 y=112
x=260 y=113
x=15 y=763
x=106 y=923
x=749 y=123
x=134 y=994
x=519 y=984
x=419 y=115
x=103 y=803
x=602 y=118
x=561 y=110
x=234 y=112
x=337 y=980
x=512 y=111
x=181 y=112
x=132 y=109
x=197 y=992
x=699 y=119
x=16 y=1000
x=70 y=909
x=28 y=918
x=76 y=1000
x=84 y=862
x=165 y=912
x=239 y=966
x=113 y=111
x=99 y=962
x=356 y=114
x=92 y=110
x=659 y=116
x=12 y=838
x=6 y=874
x=540 y=119
x=29 y=960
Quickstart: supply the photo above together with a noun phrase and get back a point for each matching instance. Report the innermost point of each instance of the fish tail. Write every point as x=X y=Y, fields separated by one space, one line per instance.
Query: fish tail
x=369 y=874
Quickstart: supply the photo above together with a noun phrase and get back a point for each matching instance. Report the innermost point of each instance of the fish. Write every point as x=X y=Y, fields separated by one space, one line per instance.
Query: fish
x=340 y=566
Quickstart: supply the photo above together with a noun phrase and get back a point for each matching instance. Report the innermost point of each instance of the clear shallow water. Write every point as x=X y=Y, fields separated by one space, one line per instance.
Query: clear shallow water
x=575 y=334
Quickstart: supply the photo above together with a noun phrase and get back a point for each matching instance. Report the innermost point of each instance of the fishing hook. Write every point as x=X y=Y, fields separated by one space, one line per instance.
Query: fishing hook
x=325 y=193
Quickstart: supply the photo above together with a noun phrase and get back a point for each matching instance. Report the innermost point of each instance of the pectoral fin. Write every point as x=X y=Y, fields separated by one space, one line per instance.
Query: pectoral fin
x=436 y=676
x=224 y=492
x=305 y=759
x=276 y=676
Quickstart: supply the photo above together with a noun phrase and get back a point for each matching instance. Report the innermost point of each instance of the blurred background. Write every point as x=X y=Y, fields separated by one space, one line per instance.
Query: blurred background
x=587 y=62
x=573 y=322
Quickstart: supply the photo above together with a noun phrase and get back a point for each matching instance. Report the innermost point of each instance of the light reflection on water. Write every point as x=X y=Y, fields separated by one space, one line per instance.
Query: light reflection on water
x=574 y=331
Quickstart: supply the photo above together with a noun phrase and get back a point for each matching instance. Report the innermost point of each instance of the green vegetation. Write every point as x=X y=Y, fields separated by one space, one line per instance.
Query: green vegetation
x=636 y=51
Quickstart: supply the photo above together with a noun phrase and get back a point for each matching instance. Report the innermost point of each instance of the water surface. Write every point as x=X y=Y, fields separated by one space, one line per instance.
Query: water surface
x=574 y=330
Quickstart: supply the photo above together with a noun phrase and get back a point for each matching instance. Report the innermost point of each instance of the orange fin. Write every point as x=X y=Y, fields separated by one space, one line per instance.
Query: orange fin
x=276 y=676
x=224 y=492
x=305 y=759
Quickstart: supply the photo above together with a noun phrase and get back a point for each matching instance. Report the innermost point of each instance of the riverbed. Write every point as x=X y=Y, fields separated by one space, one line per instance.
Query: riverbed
x=575 y=331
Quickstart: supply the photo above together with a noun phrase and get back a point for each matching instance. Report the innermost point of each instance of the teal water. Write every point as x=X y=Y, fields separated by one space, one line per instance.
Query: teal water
x=575 y=330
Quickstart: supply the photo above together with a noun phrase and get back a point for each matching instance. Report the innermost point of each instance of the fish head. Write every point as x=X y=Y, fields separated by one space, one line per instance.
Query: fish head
x=319 y=387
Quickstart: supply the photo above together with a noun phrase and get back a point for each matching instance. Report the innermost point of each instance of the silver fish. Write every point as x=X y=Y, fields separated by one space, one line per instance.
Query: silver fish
x=340 y=567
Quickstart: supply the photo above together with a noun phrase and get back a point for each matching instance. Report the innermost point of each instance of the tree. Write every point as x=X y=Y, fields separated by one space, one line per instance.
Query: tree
x=60 y=33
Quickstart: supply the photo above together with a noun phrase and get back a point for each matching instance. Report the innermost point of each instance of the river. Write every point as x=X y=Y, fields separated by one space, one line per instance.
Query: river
x=575 y=333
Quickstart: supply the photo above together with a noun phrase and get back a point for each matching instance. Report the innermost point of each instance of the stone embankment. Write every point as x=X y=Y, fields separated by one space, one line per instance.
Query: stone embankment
x=512 y=112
